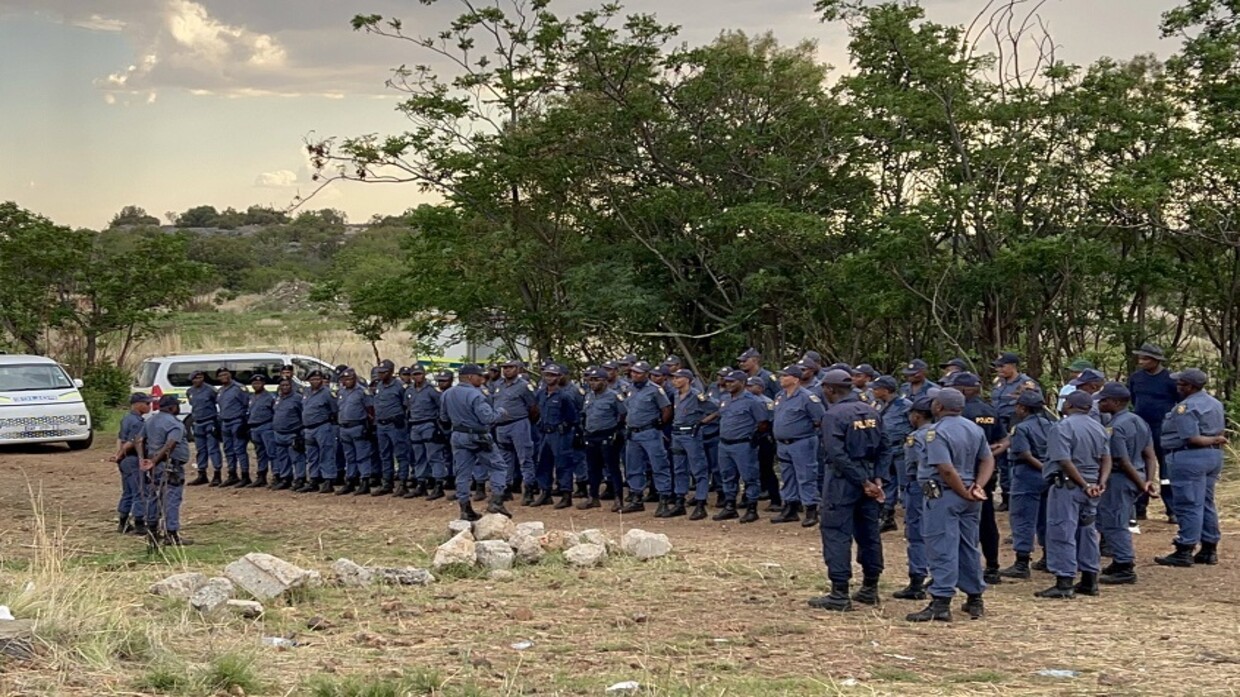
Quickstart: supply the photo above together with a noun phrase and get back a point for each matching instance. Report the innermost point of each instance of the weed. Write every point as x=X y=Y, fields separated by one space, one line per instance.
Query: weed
x=990 y=676
x=167 y=679
x=894 y=674
x=231 y=670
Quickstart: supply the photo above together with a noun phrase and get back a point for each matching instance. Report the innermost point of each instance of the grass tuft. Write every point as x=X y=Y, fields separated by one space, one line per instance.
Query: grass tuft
x=231 y=670
x=419 y=681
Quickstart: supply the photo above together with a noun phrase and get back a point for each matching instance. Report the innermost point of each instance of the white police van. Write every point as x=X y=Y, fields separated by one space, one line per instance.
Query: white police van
x=40 y=403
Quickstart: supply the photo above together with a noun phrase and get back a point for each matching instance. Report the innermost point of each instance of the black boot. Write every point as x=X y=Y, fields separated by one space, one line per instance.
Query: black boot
x=664 y=504
x=350 y=487
x=867 y=594
x=1088 y=584
x=246 y=482
x=480 y=491
x=497 y=506
x=384 y=489
x=363 y=487
x=1208 y=554
x=327 y=487
x=233 y=480
x=566 y=500
x=939 y=610
x=837 y=600
x=138 y=527
x=283 y=484
x=790 y=514
x=308 y=485
x=420 y=489
x=174 y=539
x=608 y=494
x=216 y=478
x=1018 y=570
x=774 y=506
x=260 y=481
x=751 y=513
x=122 y=524
x=1040 y=564
x=1119 y=575
x=1062 y=589
x=635 y=503
x=617 y=505
x=728 y=512
x=399 y=491
x=990 y=575
x=467 y=512
x=720 y=500
x=915 y=590
x=413 y=490
x=275 y=482
x=699 y=510
x=811 y=517
x=527 y=496
x=888 y=522
x=588 y=504
x=580 y=491
x=975 y=607
x=1182 y=557
x=202 y=479
x=436 y=491
x=652 y=496
x=543 y=498
x=676 y=507
x=1002 y=506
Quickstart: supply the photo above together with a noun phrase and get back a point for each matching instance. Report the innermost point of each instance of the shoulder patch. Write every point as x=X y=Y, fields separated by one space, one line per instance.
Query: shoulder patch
x=770 y=406
x=701 y=398
x=930 y=435
x=581 y=391
x=1110 y=431
x=619 y=397
x=909 y=440
x=773 y=378
x=1181 y=409
x=530 y=385
x=814 y=399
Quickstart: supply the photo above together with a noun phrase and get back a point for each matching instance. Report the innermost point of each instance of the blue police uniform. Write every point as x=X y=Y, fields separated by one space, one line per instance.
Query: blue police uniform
x=914 y=458
x=1194 y=470
x=422 y=408
x=290 y=460
x=688 y=447
x=739 y=420
x=168 y=477
x=465 y=407
x=644 y=447
x=318 y=418
x=131 y=501
x=577 y=450
x=234 y=404
x=557 y=415
x=986 y=418
x=603 y=413
x=353 y=416
x=1129 y=437
x=853 y=433
x=206 y=414
x=894 y=415
x=1003 y=396
x=1071 y=515
x=1153 y=397
x=908 y=391
x=391 y=430
x=262 y=435
x=794 y=424
x=770 y=383
x=710 y=439
x=1027 y=498
x=950 y=524
x=513 y=434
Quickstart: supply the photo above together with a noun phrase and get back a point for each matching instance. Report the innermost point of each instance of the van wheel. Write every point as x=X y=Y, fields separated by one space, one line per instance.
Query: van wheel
x=82 y=444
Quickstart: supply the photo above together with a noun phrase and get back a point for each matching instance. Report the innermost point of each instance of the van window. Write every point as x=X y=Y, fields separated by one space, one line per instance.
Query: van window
x=304 y=366
x=146 y=374
x=243 y=371
x=33 y=376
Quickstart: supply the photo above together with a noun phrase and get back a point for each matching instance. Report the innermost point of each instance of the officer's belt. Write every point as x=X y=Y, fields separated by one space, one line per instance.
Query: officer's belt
x=471 y=431
x=513 y=421
x=389 y=422
x=639 y=429
x=790 y=441
x=233 y=419
x=736 y=441
x=600 y=435
x=683 y=429
x=351 y=424
x=260 y=423
x=314 y=426
x=422 y=422
x=1193 y=447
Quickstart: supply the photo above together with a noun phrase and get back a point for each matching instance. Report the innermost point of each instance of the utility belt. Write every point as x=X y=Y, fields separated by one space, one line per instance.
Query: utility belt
x=260 y=424
x=351 y=424
x=790 y=441
x=605 y=434
x=471 y=431
x=513 y=421
x=639 y=429
x=560 y=429
x=685 y=430
x=398 y=421
x=422 y=422
x=314 y=426
x=1061 y=480
x=736 y=441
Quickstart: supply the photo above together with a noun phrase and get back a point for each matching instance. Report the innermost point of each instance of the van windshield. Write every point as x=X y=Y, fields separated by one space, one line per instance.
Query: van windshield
x=147 y=373
x=34 y=376
x=242 y=371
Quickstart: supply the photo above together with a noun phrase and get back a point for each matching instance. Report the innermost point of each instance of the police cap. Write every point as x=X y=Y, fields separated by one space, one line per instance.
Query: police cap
x=747 y=354
x=950 y=399
x=611 y=365
x=348 y=373
x=1114 y=390
x=168 y=400
x=915 y=366
x=386 y=366
x=865 y=369
x=955 y=363
x=222 y=370
x=552 y=369
x=725 y=372
x=638 y=366
x=1006 y=359
x=739 y=376
x=471 y=369
x=754 y=382
x=837 y=378
x=795 y=370
x=138 y=397
x=682 y=373
x=1030 y=398
x=1079 y=400
x=812 y=356
x=841 y=366
x=595 y=373
x=885 y=382
x=924 y=402
x=1088 y=376
x=444 y=376
x=513 y=363
x=197 y=374
x=1193 y=376
x=630 y=359
x=405 y=370
x=258 y=377
x=315 y=374
x=965 y=379
x=673 y=359
x=417 y=369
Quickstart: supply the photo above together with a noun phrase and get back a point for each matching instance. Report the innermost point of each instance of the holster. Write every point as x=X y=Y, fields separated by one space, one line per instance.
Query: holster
x=931 y=489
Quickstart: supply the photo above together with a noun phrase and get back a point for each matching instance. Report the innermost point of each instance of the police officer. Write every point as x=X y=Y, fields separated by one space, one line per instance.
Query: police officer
x=290 y=444
x=318 y=417
x=953 y=476
x=1027 y=502
x=406 y=376
x=691 y=413
x=1074 y=370
x=796 y=417
x=392 y=435
x=1078 y=464
x=258 y=423
x=862 y=376
x=921 y=419
x=1008 y=385
x=425 y=437
x=603 y=414
x=984 y=415
x=1089 y=382
x=744 y=418
x=132 y=500
x=206 y=414
x=513 y=393
x=915 y=383
x=767 y=477
x=1192 y=438
x=465 y=409
x=1154 y=394
x=893 y=409
x=750 y=361
x=234 y=403
x=557 y=416
x=649 y=409
x=444 y=380
x=1132 y=457
x=952 y=365
x=356 y=415
x=853 y=495
x=164 y=454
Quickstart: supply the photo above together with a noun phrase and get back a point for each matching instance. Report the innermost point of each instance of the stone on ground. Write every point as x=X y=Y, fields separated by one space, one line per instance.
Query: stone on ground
x=594 y=536
x=645 y=545
x=502 y=576
x=494 y=526
x=265 y=576
x=533 y=528
x=179 y=586
x=557 y=540
x=459 y=550
x=404 y=576
x=494 y=554
x=249 y=609
x=17 y=639
x=456 y=527
x=529 y=550
x=350 y=574
x=586 y=555
x=212 y=595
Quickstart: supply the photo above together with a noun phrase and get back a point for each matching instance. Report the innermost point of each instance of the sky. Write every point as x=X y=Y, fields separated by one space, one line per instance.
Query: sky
x=169 y=104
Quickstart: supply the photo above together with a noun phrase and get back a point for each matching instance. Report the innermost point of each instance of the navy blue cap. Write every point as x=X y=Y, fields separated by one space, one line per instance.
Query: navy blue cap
x=965 y=379
x=747 y=354
x=1006 y=359
x=837 y=378
x=221 y=370
x=315 y=374
x=840 y=366
x=630 y=359
x=725 y=372
x=812 y=356
x=348 y=373
x=405 y=370
x=683 y=373
x=640 y=366
x=867 y=370
x=795 y=370
x=443 y=375
x=885 y=382
x=661 y=371
x=471 y=369
x=287 y=366
x=386 y=365
x=1192 y=376
x=512 y=363
x=552 y=369
x=955 y=362
x=611 y=365
x=754 y=382
x=1079 y=400
x=924 y=402
x=595 y=373
x=1031 y=398
x=417 y=369
x=138 y=397
x=168 y=400
x=1114 y=390
x=258 y=377
x=673 y=359
x=197 y=374
x=951 y=399
x=915 y=366
x=739 y=376
x=1087 y=376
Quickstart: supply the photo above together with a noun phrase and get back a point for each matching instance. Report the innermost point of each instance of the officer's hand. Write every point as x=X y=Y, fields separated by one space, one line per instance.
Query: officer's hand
x=147 y=465
x=977 y=493
x=1093 y=491
x=1151 y=489
x=1220 y=440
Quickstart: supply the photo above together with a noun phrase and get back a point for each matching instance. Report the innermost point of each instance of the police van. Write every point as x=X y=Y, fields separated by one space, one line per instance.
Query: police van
x=40 y=403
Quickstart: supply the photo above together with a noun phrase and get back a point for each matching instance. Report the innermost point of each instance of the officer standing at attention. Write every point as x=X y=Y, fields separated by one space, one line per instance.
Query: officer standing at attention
x=862 y=376
x=982 y=414
x=356 y=415
x=444 y=380
x=649 y=409
x=318 y=417
x=796 y=418
x=893 y=409
x=1078 y=465
x=164 y=454
x=767 y=458
x=1154 y=395
x=1192 y=438
x=954 y=365
x=259 y=416
x=206 y=413
x=464 y=407
x=744 y=419
x=557 y=416
x=392 y=435
x=853 y=494
x=1028 y=498
x=915 y=382
x=691 y=413
x=290 y=446
x=953 y=476
x=1132 y=457
x=1009 y=383
x=515 y=395
x=126 y=459
x=750 y=361
x=234 y=403
x=422 y=409
x=406 y=376
x=921 y=418
x=603 y=414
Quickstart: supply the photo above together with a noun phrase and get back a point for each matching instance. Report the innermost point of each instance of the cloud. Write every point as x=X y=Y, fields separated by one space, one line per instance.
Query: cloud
x=279 y=179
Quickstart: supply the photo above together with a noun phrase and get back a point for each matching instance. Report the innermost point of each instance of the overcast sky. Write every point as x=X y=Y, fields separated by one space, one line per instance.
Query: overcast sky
x=168 y=104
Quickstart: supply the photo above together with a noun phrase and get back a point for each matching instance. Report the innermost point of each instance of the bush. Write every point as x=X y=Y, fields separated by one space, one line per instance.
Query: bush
x=110 y=383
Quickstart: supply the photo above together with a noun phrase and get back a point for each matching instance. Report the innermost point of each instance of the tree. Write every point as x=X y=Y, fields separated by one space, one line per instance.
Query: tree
x=133 y=215
x=34 y=255
x=199 y=216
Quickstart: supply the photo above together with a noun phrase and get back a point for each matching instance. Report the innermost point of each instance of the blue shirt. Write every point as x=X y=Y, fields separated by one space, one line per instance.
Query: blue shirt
x=604 y=410
x=1003 y=396
x=915 y=452
x=646 y=402
x=691 y=408
x=770 y=383
x=854 y=439
x=318 y=408
x=352 y=404
x=389 y=400
x=796 y=415
x=160 y=428
x=131 y=428
x=234 y=402
x=515 y=397
x=1030 y=436
x=556 y=409
x=1153 y=396
x=1081 y=440
x=984 y=416
x=465 y=406
x=203 y=402
x=740 y=416
x=907 y=390
x=1198 y=415
x=1130 y=436
x=957 y=441
x=896 y=427
x=262 y=407
x=422 y=403
x=287 y=411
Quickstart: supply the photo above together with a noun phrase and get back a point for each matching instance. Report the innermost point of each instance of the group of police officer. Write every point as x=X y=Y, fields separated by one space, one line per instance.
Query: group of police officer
x=847 y=444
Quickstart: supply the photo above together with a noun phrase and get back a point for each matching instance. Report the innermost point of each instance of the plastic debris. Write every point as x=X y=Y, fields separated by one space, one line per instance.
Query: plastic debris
x=279 y=642
x=849 y=682
x=898 y=657
x=1058 y=673
x=5 y=614
x=626 y=686
x=523 y=645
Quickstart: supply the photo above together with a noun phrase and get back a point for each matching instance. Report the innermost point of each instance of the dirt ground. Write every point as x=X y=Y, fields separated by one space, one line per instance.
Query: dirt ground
x=724 y=614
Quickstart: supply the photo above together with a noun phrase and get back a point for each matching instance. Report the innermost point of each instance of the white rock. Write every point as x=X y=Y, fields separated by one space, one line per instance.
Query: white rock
x=404 y=576
x=458 y=526
x=586 y=555
x=534 y=528
x=179 y=586
x=645 y=545
x=265 y=576
x=557 y=540
x=502 y=575
x=248 y=609
x=494 y=554
x=529 y=550
x=314 y=579
x=353 y=575
x=459 y=550
x=594 y=536
x=212 y=595
x=494 y=526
